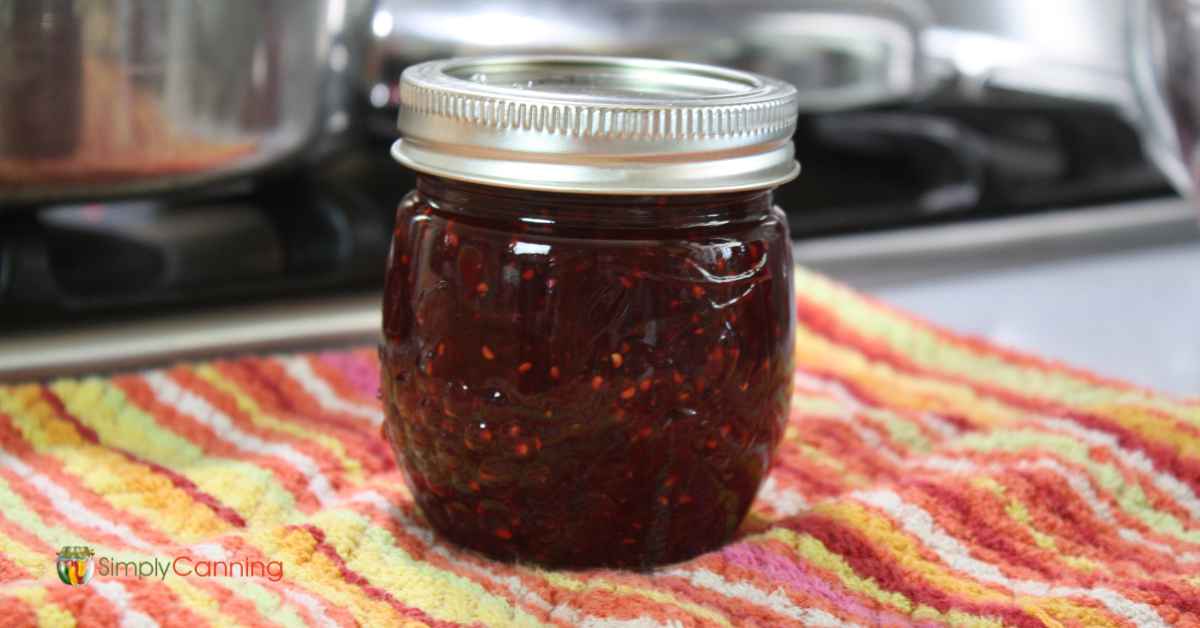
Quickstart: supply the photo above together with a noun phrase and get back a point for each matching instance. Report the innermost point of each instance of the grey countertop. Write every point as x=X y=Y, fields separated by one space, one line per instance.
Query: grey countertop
x=1134 y=315
x=1115 y=290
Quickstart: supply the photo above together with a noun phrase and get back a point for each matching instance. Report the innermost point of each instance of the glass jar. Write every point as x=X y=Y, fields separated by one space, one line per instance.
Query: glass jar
x=1163 y=44
x=588 y=360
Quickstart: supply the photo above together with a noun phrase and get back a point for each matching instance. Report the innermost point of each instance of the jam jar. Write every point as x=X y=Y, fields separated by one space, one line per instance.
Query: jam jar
x=588 y=314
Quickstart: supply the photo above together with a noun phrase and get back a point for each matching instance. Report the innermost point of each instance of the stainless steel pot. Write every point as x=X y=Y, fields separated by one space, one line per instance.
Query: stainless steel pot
x=1071 y=49
x=122 y=97
x=838 y=53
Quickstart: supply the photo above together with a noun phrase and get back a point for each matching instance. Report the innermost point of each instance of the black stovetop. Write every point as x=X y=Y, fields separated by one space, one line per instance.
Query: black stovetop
x=327 y=230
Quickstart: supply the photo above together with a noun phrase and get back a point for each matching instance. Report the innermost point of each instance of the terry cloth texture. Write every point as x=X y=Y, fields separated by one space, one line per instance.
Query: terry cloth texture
x=925 y=478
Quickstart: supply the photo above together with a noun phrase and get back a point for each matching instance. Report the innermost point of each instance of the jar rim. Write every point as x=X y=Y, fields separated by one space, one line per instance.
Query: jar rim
x=597 y=124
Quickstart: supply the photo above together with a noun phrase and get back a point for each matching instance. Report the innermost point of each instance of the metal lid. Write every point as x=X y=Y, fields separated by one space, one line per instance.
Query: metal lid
x=597 y=125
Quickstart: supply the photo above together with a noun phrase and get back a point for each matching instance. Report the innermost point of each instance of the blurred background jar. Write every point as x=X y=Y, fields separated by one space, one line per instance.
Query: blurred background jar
x=1163 y=49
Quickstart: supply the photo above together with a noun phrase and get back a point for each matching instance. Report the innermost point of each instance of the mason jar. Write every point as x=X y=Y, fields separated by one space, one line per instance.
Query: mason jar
x=588 y=313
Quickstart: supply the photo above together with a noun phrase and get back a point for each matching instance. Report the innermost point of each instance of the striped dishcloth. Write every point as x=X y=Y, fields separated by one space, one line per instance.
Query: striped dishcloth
x=925 y=478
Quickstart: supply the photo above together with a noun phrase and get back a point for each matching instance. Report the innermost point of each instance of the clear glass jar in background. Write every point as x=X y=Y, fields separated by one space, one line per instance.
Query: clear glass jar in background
x=1164 y=60
x=588 y=316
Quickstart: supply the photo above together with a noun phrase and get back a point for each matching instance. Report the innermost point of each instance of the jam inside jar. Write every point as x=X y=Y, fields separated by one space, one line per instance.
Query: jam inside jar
x=583 y=380
x=588 y=317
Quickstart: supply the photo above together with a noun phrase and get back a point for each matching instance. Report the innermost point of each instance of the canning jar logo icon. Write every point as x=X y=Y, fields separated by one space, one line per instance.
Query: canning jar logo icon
x=75 y=564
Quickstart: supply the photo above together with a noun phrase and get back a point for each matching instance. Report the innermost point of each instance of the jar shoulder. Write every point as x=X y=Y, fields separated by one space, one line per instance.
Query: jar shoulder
x=710 y=221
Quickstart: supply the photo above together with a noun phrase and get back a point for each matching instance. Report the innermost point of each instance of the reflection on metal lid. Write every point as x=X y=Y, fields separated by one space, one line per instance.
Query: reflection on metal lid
x=597 y=124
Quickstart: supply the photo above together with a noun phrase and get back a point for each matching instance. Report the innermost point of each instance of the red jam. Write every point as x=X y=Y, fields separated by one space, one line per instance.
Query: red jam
x=586 y=380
